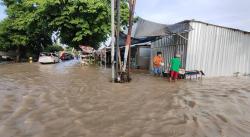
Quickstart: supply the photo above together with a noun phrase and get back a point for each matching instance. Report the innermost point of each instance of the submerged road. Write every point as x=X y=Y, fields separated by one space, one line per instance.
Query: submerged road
x=66 y=100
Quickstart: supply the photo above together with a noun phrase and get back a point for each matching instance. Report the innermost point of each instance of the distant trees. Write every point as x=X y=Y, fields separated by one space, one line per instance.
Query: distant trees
x=30 y=23
x=5 y=41
x=53 y=48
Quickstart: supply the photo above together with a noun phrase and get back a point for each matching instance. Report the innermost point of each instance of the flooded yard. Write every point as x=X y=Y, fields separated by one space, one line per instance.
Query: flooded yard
x=66 y=100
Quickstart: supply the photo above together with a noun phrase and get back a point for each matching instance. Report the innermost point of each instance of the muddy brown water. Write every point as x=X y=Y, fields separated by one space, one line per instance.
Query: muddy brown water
x=66 y=100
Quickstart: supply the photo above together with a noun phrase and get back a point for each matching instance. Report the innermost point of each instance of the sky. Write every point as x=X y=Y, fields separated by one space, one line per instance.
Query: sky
x=2 y=12
x=229 y=13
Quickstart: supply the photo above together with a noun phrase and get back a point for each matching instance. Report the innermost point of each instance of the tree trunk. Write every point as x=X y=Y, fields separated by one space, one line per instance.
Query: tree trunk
x=18 y=54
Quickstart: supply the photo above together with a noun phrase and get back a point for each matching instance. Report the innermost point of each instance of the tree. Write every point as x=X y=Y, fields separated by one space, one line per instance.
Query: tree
x=82 y=22
x=53 y=48
x=30 y=23
x=23 y=27
x=5 y=42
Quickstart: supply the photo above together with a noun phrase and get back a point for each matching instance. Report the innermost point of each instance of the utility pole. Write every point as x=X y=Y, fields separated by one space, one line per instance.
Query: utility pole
x=117 y=37
x=113 y=38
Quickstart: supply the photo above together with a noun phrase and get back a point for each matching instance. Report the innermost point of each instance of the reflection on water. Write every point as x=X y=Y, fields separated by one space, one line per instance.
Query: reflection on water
x=65 y=100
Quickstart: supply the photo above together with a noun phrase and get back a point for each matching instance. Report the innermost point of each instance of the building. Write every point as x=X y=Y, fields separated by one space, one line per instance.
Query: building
x=217 y=50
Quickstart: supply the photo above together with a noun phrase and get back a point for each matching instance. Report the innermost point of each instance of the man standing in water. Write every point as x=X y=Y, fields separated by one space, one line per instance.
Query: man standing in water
x=175 y=65
x=158 y=62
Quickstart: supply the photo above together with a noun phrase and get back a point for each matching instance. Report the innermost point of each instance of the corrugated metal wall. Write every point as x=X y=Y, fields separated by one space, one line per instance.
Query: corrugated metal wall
x=169 y=46
x=218 y=51
x=143 y=57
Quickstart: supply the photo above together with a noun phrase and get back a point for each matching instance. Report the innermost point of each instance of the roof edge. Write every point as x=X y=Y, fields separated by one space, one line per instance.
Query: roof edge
x=196 y=21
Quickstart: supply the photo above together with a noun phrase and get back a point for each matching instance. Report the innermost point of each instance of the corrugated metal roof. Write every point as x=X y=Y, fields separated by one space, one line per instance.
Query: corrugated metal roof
x=145 y=28
x=188 y=21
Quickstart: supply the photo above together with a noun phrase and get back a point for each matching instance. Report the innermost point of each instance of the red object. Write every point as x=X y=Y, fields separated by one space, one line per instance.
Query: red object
x=174 y=75
x=62 y=56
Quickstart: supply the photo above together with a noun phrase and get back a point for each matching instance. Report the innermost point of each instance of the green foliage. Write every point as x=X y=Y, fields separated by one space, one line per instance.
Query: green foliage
x=69 y=49
x=53 y=48
x=23 y=27
x=31 y=23
x=84 y=22
x=5 y=42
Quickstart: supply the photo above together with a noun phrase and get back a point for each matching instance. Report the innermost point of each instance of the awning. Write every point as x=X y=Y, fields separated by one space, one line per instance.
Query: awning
x=145 y=28
x=148 y=31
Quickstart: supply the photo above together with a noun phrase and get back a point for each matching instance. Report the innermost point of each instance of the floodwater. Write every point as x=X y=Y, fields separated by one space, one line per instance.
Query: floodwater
x=66 y=100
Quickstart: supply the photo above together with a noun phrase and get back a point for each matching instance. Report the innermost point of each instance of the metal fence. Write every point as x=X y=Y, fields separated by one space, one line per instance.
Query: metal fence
x=169 y=46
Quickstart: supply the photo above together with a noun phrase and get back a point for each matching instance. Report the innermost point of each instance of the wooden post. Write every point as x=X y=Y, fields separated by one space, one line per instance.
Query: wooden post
x=127 y=54
x=105 y=57
x=131 y=21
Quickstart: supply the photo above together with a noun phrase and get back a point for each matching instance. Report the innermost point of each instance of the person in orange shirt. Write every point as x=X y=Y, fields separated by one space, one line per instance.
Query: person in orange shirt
x=157 y=63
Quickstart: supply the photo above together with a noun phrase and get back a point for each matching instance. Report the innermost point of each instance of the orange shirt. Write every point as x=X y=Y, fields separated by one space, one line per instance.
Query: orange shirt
x=157 y=61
